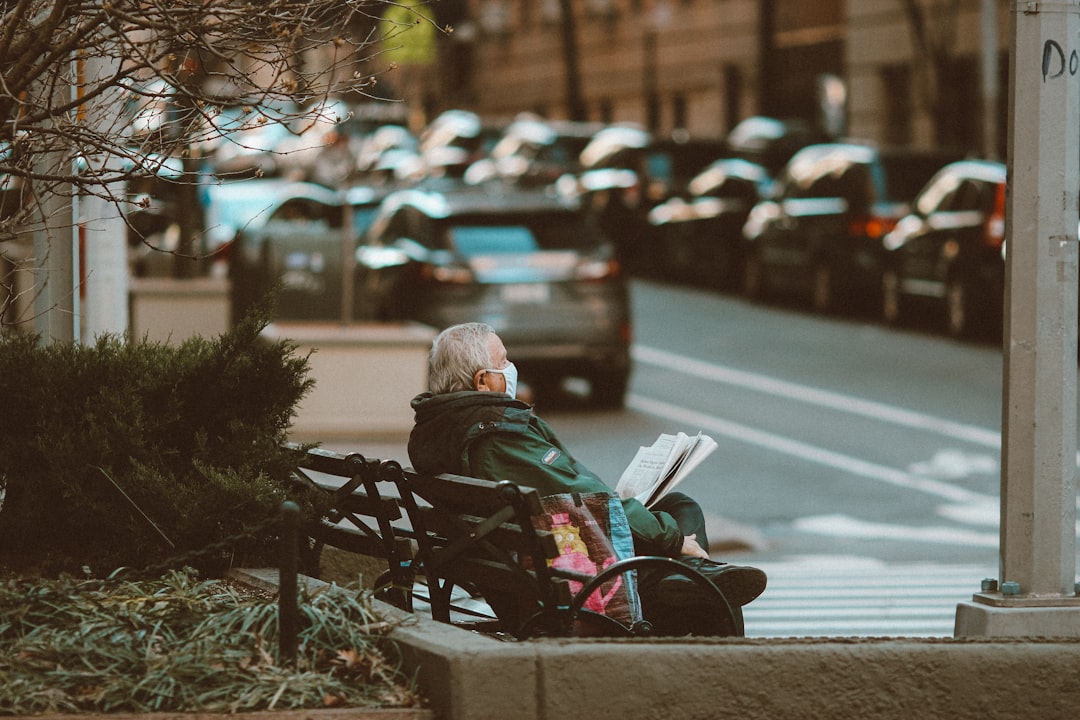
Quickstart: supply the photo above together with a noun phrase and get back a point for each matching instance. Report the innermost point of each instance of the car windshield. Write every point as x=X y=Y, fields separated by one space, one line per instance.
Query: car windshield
x=472 y=240
x=528 y=232
x=362 y=217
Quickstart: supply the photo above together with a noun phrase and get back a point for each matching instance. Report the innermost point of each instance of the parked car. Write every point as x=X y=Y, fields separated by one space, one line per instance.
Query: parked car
x=535 y=151
x=770 y=142
x=245 y=139
x=454 y=140
x=698 y=236
x=296 y=240
x=946 y=257
x=627 y=172
x=528 y=262
x=819 y=236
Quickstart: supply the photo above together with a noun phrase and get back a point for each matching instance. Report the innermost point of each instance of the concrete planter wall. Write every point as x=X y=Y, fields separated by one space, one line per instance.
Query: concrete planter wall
x=365 y=375
x=172 y=310
x=470 y=676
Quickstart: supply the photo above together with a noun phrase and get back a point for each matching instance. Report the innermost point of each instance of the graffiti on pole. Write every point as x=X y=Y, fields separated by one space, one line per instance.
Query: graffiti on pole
x=1054 y=62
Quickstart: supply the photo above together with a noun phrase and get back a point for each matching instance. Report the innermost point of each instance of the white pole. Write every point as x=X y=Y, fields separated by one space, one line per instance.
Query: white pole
x=105 y=309
x=1038 y=513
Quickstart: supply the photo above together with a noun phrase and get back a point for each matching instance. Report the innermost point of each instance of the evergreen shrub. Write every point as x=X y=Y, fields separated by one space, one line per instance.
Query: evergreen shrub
x=130 y=453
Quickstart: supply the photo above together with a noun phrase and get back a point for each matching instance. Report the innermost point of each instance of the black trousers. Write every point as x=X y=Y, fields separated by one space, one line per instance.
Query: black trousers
x=706 y=619
x=687 y=514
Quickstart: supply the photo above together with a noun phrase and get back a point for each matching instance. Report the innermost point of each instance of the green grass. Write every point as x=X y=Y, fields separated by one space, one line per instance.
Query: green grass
x=183 y=645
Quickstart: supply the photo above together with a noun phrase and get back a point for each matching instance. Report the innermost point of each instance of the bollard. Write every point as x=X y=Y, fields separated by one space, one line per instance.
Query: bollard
x=288 y=613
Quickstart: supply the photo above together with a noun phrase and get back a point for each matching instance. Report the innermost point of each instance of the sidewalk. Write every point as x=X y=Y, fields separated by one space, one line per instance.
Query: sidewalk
x=469 y=676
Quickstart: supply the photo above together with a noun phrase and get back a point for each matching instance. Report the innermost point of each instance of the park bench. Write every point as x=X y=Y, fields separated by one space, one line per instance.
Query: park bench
x=362 y=519
x=488 y=539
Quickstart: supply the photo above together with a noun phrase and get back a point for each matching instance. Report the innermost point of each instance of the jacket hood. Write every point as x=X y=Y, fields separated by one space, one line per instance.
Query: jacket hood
x=446 y=424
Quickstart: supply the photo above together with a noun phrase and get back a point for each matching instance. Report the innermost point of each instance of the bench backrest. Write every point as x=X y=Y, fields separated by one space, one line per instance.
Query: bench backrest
x=492 y=536
x=362 y=519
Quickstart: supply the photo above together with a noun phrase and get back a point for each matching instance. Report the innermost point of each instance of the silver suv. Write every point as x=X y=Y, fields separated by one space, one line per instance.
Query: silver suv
x=530 y=264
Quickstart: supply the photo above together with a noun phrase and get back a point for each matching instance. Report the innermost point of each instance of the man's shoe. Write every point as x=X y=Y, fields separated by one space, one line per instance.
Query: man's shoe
x=739 y=583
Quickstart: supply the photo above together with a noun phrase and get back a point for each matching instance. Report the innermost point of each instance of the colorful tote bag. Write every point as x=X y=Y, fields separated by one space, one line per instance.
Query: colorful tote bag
x=592 y=533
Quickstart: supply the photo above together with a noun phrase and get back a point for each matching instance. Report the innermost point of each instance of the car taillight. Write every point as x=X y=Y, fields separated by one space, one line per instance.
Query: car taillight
x=219 y=260
x=994 y=228
x=597 y=269
x=449 y=274
x=871 y=226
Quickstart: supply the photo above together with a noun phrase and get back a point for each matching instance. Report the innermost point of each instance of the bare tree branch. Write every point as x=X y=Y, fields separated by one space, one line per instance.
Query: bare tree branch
x=96 y=94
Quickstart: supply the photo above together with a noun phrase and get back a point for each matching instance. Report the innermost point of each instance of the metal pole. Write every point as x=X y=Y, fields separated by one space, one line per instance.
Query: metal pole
x=105 y=308
x=1038 y=494
x=54 y=232
x=348 y=261
x=288 y=612
x=1036 y=594
x=54 y=274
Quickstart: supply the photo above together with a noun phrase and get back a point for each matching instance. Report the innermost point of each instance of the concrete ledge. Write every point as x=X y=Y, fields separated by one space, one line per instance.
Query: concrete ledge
x=976 y=619
x=173 y=310
x=365 y=375
x=468 y=676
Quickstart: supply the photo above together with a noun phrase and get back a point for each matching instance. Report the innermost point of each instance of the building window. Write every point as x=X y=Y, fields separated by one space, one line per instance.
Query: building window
x=896 y=92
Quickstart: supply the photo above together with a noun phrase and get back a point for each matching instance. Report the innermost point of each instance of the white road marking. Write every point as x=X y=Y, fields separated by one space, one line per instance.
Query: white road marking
x=815 y=596
x=805 y=451
x=823 y=398
x=837 y=525
x=953 y=464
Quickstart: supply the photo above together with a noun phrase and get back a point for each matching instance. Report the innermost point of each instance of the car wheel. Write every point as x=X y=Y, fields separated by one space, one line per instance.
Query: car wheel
x=821 y=288
x=608 y=390
x=958 y=317
x=753 y=277
x=891 y=300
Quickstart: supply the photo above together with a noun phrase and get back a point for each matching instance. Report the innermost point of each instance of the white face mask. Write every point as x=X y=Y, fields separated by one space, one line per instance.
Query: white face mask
x=509 y=374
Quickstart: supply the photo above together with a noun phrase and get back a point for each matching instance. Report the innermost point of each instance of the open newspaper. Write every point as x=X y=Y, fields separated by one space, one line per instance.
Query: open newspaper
x=658 y=468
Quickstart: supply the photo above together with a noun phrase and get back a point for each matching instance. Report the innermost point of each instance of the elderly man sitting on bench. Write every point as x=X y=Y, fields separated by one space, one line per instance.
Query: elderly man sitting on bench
x=469 y=423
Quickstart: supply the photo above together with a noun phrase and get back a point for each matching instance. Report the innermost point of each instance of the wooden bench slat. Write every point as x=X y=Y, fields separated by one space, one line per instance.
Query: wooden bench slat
x=465 y=494
x=353 y=540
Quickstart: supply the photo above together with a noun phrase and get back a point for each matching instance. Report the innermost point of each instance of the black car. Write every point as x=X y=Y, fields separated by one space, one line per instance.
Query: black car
x=820 y=235
x=529 y=263
x=946 y=257
x=626 y=172
x=698 y=236
x=535 y=151
x=770 y=142
x=454 y=140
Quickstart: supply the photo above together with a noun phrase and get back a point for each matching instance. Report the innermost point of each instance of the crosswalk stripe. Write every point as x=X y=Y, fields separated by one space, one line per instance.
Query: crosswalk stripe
x=831 y=598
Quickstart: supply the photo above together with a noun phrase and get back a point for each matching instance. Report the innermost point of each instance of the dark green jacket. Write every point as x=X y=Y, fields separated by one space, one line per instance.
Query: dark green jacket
x=493 y=437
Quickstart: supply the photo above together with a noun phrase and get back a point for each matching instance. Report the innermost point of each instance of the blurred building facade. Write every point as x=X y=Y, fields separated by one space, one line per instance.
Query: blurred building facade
x=920 y=72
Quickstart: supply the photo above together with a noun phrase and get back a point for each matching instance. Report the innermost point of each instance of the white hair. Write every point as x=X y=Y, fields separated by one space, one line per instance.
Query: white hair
x=456 y=354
